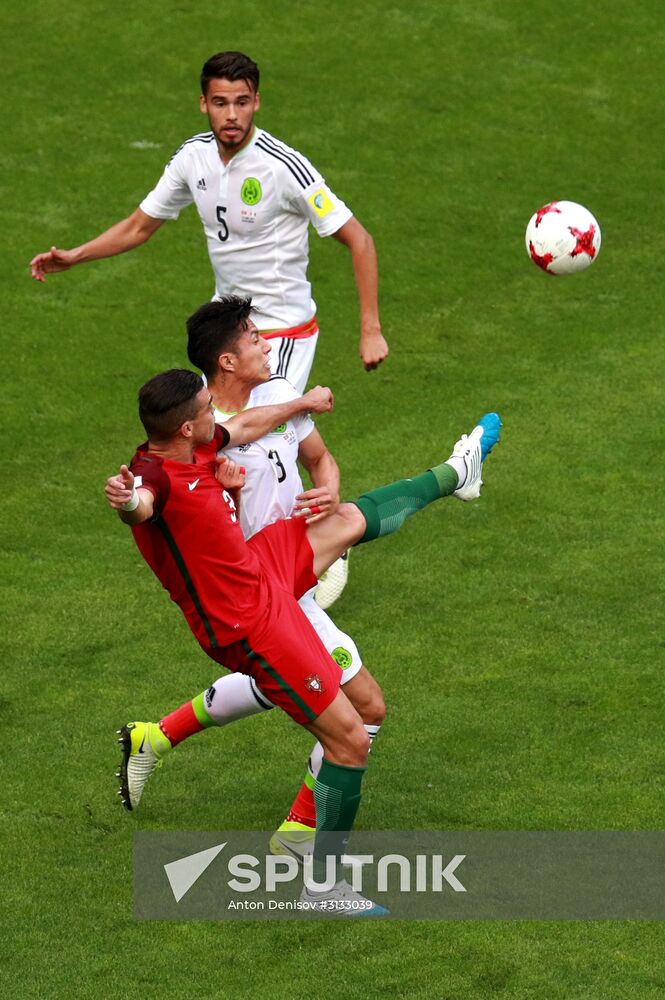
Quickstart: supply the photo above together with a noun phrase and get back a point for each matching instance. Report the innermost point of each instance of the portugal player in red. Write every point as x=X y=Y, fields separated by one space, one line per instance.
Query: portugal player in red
x=240 y=598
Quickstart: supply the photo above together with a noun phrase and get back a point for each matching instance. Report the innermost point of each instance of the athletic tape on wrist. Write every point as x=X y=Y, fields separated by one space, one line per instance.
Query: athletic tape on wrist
x=132 y=503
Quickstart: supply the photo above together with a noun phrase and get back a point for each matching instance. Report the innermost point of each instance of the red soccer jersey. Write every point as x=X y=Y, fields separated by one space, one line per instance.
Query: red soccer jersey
x=195 y=546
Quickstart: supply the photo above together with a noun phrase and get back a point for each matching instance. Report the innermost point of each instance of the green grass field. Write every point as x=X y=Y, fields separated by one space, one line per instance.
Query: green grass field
x=516 y=639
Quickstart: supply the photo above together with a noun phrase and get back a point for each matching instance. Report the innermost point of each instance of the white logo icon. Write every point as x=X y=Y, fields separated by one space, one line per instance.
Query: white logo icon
x=183 y=873
x=192 y=486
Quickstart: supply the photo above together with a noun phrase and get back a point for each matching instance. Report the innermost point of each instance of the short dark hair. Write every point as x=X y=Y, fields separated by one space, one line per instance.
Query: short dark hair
x=167 y=400
x=215 y=328
x=229 y=66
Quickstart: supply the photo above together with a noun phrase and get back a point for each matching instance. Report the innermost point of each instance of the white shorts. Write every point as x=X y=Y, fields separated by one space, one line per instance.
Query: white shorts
x=341 y=646
x=293 y=358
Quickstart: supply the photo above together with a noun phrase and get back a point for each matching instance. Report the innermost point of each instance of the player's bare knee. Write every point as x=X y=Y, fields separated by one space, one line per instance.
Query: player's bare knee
x=375 y=711
x=360 y=746
x=372 y=707
x=354 y=521
x=355 y=746
x=367 y=697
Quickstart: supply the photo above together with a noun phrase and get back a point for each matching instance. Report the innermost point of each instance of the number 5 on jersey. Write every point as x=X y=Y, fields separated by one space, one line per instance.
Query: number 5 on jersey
x=223 y=232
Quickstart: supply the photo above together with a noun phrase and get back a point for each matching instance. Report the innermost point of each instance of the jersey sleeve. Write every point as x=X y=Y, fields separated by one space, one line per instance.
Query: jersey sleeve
x=303 y=424
x=149 y=474
x=309 y=195
x=324 y=209
x=171 y=193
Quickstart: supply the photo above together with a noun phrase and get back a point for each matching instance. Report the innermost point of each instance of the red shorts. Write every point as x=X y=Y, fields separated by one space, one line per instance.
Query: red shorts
x=282 y=651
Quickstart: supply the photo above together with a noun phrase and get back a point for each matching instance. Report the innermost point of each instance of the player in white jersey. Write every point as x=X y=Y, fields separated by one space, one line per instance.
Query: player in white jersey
x=238 y=376
x=256 y=197
x=272 y=476
x=255 y=213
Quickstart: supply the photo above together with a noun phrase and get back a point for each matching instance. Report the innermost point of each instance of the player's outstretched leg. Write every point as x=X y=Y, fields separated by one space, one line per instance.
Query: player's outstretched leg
x=143 y=745
x=337 y=794
x=231 y=697
x=382 y=511
x=386 y=508
x=295 y=836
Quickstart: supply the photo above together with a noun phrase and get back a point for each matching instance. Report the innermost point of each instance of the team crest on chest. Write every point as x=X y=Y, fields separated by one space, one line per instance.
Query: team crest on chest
x=314 y=683
x=251 y=192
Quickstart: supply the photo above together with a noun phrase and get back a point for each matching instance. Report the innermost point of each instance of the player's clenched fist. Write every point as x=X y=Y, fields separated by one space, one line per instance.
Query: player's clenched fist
x=319 y=399
x=229 y=474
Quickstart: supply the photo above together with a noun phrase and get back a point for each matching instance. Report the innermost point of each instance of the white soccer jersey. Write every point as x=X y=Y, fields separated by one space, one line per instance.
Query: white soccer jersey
x=255 y=212
x=272 y=478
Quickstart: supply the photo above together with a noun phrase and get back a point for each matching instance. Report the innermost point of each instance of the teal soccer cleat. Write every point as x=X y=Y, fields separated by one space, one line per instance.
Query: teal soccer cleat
x=470 y=452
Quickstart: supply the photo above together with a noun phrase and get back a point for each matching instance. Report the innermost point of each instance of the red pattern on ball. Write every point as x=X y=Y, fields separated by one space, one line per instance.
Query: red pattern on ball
x=544 y=211
x=584 y=241
x=543 y=261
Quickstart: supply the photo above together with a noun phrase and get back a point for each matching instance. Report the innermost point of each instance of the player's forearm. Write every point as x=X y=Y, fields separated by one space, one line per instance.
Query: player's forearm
x=366 y=272
x=360 y=245
x=123 y=236
x=324 y=471
x=252 y=424
x=132 y=505
x=373 y=348
x=132 y=516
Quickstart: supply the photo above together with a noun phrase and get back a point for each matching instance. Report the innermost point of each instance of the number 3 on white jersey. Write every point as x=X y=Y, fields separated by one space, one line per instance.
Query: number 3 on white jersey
x=231 y=502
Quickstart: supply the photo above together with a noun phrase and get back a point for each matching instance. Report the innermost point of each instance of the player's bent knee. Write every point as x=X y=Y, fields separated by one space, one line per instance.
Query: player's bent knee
x=372 y=707
x=375 y=713
x=366 y=696
x=350 y=748
x=358 y=747
x=342 y=734
x=354 y=521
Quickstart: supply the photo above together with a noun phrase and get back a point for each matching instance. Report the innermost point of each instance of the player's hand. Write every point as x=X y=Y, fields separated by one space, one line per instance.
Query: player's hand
x=373 y=348
x=318 y=400
x=119 y=489
x=315 y=504
x=228 y=474
x=51 y=262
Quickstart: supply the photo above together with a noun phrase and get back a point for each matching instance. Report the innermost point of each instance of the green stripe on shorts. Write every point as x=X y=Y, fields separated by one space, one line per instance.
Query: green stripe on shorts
x=295 y=698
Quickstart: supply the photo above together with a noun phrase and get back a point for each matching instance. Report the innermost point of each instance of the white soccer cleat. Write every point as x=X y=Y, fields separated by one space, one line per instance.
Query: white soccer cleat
x=469 y=454
x=332 y=582
x=342 y=901
x=139 y=760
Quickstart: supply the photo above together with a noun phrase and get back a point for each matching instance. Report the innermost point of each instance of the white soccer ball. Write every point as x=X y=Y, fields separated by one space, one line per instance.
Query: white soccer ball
x=562 y=237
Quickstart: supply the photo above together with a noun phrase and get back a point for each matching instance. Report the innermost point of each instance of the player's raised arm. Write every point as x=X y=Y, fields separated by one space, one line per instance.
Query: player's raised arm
x=373 y=347
x=125 y=235
x=132 y=504
x=259 y=420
